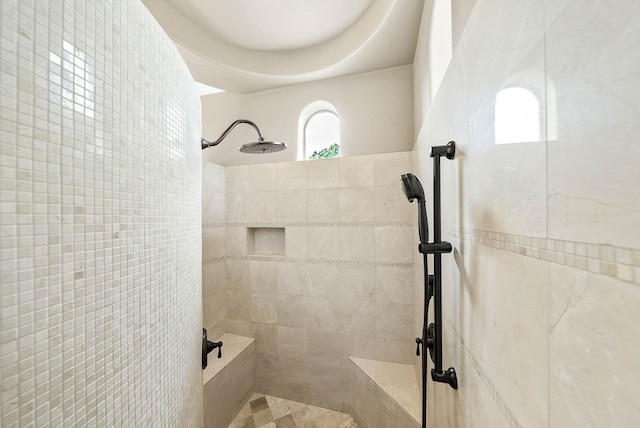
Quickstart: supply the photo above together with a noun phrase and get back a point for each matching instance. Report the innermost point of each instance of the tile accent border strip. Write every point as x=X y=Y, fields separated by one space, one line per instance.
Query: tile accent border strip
x=604 y=259
x=320 y=224
x=321 y=261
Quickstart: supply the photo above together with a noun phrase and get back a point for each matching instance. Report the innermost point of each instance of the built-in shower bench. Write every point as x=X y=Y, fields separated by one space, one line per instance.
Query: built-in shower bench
x=384 y=394
x=228 y=382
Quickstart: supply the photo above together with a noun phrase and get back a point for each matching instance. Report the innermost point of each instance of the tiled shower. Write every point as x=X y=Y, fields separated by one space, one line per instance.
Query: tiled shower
x=332 y=279
x=118 y=245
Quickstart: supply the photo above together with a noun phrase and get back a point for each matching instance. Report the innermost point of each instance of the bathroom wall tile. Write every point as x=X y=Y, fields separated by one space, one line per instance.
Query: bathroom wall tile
x=262 y=207
x=516 y=187
x=237 y=179
x=512 y=196
x=357 y=282
x=213 y=208
x=357 y=205
x=292 y=206
x=236 y=241
x=238 y=305
x=396 y=351
x=592 y=322
x=294 y=377
x=389 y=166
x=519 y=46
x=237 y=208
x=292 y=343
x=323 y=174
x=323 y=243
x=262 y=178
x=357 y=243
x=324 y=280
x=323 y=205
x=394 y=321
x=267 y=374
x=391 y=205
x=213 y=178
x=214 y=314
x=358 y=346
x=266 y=336
x=237 y=274
x=292 y=310
x=394 y=244
x=325 y=347
x=513 y=300
x=213 y=198
x=328 y=387
x=100 y=217
x=291 y=176
x=295 y=242
x=239 y=327
x=213 y=243
x=213 y=278
x=394 y=285
x=263 y=276
x=357 y=318
x=262 y=307
x=356 y=171
x=292 y=278
x=326 y=314
x=594 y=102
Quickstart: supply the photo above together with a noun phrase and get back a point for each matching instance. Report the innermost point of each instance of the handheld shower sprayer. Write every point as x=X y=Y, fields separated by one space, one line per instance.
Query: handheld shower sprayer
x=413 y=190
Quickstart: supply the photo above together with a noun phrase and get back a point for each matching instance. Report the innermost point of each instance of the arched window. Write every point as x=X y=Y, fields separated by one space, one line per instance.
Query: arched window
x=517 y=116
x=321 y=135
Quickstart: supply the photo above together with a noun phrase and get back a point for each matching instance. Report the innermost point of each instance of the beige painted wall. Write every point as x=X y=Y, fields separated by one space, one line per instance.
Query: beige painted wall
x=541 y=293
x=375 y=109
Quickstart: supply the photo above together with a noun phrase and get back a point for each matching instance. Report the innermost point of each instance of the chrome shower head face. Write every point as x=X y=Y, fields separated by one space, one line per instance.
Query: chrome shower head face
x=262 y=147
x=412 y=187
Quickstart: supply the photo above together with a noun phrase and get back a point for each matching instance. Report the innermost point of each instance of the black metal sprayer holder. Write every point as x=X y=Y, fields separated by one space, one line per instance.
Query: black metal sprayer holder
x=437 y=248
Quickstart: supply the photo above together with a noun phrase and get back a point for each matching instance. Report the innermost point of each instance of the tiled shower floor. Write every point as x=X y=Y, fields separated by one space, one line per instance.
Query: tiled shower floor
x=263 y=411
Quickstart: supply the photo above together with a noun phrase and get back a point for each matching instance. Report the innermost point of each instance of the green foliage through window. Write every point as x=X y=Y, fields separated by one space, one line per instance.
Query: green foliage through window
x=333 y=151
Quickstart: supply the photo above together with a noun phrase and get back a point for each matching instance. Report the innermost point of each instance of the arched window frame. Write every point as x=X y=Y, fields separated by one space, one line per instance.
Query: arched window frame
x=311 y=110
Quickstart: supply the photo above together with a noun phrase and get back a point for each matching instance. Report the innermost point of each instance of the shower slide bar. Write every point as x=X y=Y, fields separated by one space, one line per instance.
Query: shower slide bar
x=437 y=248
x=431 y=333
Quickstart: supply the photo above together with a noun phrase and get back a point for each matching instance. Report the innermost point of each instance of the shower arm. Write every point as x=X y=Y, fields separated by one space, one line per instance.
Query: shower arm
x=206 y=143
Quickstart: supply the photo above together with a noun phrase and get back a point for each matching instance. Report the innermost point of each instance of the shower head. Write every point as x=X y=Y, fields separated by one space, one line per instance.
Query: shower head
x=413 y=190
x=412 y=187
x=259 y=147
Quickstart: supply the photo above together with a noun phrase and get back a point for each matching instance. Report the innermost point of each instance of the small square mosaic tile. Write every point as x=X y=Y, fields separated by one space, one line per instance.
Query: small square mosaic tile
x=264 y=411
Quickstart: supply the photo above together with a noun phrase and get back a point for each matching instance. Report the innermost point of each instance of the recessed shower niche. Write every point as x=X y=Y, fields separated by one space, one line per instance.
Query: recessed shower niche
x=265 y=241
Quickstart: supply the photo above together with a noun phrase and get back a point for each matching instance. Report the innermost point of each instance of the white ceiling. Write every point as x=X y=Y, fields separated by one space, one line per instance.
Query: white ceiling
x=247 y=46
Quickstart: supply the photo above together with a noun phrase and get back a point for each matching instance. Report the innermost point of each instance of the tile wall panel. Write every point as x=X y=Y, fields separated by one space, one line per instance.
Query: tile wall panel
x=100 y=308
x=344 y=285
x=539 y=292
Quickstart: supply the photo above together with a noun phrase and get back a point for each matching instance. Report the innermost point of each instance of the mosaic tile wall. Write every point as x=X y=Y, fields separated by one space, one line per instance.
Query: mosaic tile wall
x=100 y=224
x=339 y=280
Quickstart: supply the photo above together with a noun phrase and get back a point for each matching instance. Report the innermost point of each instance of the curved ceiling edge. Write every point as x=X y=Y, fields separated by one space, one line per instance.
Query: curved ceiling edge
x=269 y=63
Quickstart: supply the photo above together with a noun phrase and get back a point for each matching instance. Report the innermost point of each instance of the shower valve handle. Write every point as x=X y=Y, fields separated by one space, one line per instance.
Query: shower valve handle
x=418 y=343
